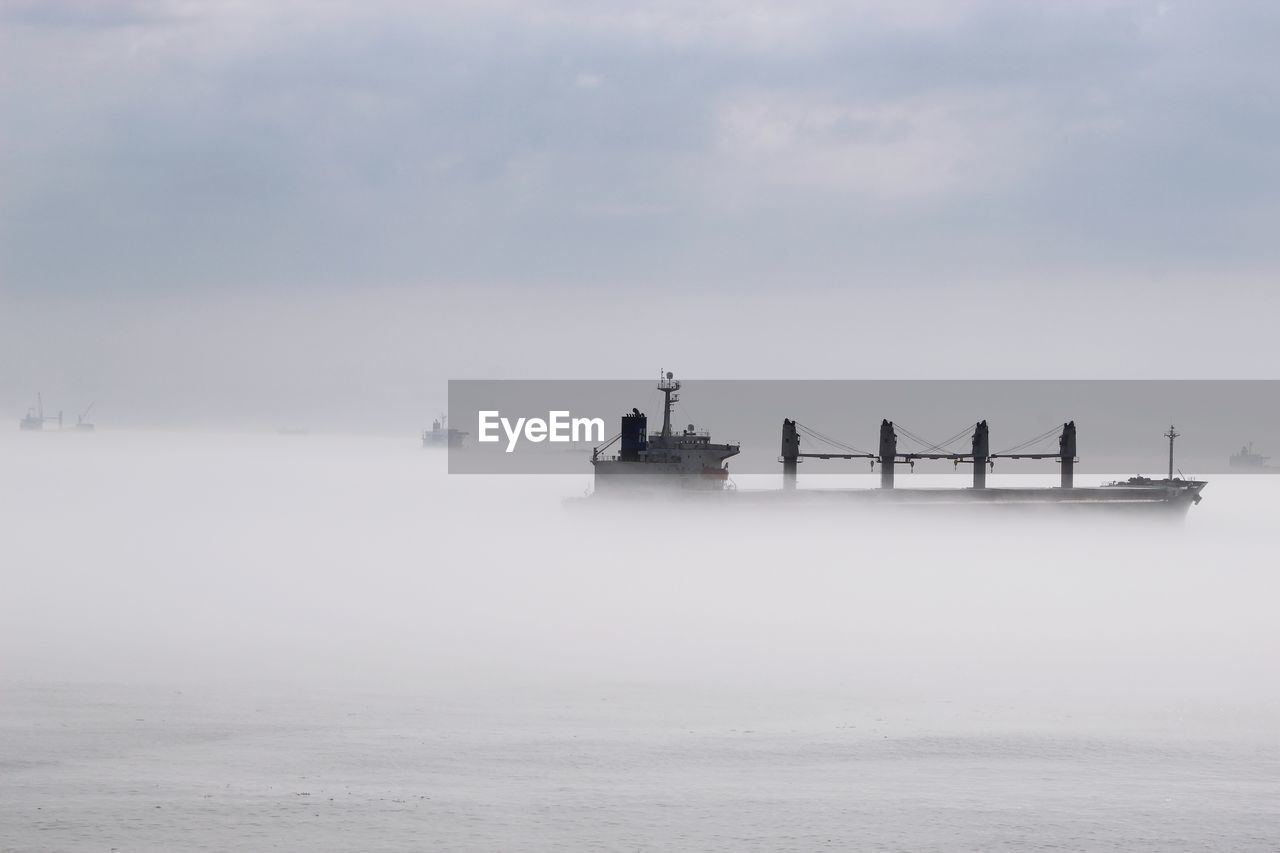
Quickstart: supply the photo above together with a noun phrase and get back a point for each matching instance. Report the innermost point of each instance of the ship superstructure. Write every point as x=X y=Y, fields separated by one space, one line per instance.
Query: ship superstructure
x=683 y=459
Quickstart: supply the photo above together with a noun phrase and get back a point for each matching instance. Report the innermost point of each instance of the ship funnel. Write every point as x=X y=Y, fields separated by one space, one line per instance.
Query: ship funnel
x=634 y=427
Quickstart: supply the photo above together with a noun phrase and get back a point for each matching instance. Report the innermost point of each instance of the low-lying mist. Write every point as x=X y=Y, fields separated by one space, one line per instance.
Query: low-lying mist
x=153 y=557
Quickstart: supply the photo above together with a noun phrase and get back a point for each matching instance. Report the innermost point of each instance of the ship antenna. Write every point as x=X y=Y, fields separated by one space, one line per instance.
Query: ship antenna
x=1171 y=435
x=668 y=385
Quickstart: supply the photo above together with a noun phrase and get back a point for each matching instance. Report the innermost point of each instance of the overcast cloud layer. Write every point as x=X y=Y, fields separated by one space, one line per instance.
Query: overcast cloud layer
x=481 y=176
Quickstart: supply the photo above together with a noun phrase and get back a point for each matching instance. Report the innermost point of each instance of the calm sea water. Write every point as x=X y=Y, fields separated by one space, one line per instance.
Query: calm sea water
x=312 y=644
x=115 y=768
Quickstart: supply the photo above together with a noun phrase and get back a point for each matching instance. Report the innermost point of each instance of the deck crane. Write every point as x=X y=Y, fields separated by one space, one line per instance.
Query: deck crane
x=82 y=420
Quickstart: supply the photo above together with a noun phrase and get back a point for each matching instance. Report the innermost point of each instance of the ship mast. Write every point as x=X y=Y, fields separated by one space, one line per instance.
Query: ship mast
x=668 y=385
x=1171 y=435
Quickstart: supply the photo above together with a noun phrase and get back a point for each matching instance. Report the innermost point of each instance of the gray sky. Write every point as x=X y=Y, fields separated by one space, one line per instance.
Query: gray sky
x=294 y=208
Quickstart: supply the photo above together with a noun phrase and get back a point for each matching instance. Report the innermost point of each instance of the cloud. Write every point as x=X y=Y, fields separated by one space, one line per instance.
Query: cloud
x=90 y=14
x=907 y=149
x=281 y=145
x=750 y=27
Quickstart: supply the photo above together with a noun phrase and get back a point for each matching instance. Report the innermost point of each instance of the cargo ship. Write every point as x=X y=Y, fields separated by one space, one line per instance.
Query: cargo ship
x=688 y=462
x=35 y=418
x=442 y=435
x=1247 y=462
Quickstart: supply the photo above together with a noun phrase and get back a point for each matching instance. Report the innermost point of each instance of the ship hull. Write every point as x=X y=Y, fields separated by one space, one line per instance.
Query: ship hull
x=617 y=477
x=1152 y=500
x=439 y=440
x=1096 y=499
